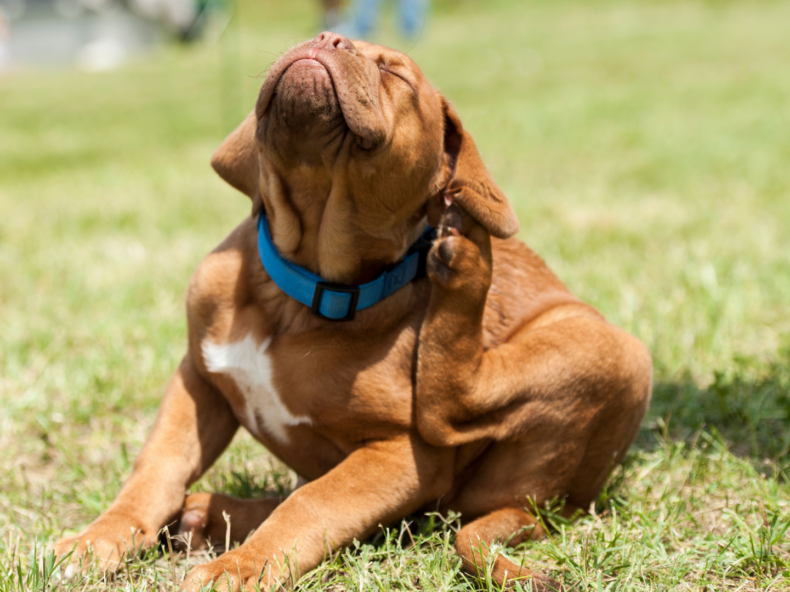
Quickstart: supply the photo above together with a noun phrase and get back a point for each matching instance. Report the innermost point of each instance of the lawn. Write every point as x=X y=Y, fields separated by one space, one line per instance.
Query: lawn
x=646 y=147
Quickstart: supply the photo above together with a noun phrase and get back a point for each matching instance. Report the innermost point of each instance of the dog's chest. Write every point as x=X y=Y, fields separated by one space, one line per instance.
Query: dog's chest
x=249 y=365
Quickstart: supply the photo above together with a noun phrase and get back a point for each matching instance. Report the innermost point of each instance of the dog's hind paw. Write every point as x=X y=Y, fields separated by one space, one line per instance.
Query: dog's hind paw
x=460 y=259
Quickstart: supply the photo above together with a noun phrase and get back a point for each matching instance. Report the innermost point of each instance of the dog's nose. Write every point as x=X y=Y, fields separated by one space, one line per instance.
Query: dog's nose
x=329 y=40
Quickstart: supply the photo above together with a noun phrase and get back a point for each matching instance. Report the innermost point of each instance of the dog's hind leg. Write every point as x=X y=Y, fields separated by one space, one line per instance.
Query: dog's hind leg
x=203 y=520
x=510 y=526
x=566 y=376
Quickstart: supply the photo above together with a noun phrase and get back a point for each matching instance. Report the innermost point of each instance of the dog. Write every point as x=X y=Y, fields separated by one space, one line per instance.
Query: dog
x=467 y=378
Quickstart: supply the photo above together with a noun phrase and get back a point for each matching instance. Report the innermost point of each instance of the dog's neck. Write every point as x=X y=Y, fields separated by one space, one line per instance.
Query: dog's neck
x=326 y=237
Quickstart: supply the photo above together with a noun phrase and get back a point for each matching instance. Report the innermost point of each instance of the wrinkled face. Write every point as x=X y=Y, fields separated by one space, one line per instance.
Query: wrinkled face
x=348 y=149
x=353 y=133
x=331 y=86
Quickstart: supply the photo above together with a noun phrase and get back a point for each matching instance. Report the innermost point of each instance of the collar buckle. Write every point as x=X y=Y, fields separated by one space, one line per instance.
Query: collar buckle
x=321 y=287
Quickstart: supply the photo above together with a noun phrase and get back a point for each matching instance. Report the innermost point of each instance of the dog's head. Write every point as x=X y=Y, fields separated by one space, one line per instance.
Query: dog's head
x=350 y=149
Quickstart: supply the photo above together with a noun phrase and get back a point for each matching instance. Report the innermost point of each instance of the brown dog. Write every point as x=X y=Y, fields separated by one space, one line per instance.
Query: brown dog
x=486 y=388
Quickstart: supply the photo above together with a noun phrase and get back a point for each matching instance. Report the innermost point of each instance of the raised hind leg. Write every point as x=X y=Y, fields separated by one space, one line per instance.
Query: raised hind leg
x=566 y=373
x=557 y=404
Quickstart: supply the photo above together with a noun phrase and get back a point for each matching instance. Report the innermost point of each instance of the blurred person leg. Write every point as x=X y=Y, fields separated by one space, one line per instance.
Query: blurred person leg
x=331 y=14
x=412 y=16
x=337 y=18
x=5 y=39
x=365 y=14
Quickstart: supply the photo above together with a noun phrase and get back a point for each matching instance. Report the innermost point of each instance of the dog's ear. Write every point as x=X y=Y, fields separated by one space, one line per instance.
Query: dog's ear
x=471 y=185
x=236 y=160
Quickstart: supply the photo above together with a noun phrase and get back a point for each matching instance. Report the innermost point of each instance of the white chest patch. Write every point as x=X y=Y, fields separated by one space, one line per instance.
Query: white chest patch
x=250 y=367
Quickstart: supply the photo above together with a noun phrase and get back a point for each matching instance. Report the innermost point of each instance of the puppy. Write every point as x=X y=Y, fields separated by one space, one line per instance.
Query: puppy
x=485 y=388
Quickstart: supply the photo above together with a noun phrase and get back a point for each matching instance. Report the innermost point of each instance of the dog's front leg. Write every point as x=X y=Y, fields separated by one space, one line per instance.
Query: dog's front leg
x=194 y=425
x=375 y=485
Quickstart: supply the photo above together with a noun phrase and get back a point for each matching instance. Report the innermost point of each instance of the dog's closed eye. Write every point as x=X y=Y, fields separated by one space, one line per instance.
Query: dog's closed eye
x=387 y=69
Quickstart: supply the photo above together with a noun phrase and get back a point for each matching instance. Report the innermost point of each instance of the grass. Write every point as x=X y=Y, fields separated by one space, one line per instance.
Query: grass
x=645 y=147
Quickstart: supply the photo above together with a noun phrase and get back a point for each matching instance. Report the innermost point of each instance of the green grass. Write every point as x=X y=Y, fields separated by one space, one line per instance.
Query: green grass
x=645 y=146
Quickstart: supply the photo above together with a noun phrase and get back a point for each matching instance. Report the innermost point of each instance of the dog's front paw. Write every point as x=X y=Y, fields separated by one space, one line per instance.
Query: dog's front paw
x=460 y=259
x=234 y=571
x=104 y=543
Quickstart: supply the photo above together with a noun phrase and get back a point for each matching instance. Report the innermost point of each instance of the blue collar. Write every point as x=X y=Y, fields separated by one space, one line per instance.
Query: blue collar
x=338 y=302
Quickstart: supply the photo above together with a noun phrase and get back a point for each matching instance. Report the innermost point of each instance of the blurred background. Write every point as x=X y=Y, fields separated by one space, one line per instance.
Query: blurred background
x=644 y=143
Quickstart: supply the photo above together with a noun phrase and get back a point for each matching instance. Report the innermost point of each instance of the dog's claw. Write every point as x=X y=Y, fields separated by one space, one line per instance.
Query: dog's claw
x=69 y=572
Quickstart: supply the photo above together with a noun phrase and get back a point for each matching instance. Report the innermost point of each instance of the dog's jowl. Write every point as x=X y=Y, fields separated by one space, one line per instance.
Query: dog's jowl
x=377 y=327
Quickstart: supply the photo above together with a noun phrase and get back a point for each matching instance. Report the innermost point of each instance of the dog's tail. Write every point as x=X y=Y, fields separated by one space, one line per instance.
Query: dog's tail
x=509 y=525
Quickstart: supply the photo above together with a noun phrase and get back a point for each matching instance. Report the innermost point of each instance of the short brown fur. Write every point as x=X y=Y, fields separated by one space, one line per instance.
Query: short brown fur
x=486 y=388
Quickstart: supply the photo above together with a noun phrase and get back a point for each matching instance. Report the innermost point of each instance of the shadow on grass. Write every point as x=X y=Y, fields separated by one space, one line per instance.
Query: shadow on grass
x=747 y=408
